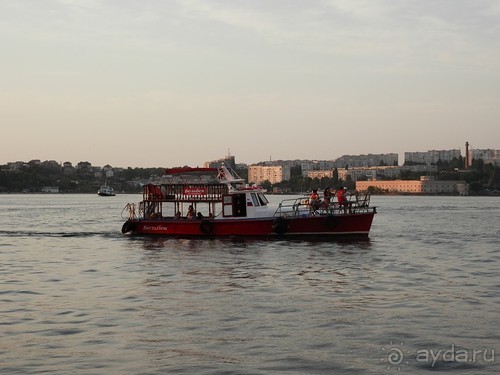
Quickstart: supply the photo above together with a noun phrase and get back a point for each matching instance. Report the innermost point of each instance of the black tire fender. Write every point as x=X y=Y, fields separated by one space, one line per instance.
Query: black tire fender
x=128 y=226
x=206 y=226
x=280 y=225
x=330 y=222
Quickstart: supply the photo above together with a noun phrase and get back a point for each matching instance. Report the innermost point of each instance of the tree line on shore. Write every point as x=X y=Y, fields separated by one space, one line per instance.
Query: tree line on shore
x=33 y=178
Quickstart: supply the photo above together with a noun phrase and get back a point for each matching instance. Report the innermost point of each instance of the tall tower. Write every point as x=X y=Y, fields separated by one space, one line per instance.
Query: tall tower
x=467 y=161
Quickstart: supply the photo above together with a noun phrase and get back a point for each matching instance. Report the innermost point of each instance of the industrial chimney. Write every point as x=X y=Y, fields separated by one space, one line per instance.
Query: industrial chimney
x=467 y=161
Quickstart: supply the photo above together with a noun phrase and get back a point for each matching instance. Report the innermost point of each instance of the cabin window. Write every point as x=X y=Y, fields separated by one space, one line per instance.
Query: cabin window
x=255 y=199
x=234 y=205
x=263 y=200
x=227 y=205
x=239 y=205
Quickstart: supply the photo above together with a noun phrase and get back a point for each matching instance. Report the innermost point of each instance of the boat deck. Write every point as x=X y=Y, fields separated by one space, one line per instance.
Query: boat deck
x=358 y=204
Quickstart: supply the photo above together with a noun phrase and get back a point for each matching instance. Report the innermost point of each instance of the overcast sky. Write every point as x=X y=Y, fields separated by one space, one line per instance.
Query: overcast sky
x=162 y=83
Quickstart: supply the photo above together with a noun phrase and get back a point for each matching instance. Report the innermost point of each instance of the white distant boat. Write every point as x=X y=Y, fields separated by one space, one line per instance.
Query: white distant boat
x=106 y=191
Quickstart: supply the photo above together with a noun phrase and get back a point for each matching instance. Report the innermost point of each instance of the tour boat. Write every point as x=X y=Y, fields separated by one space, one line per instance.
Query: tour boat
x=224 y=205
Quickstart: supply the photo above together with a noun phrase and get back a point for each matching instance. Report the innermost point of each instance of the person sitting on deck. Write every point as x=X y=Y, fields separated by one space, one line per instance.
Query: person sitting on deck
x=199 y=216
x=314 y=201
x=177 y=215
x=190 y=213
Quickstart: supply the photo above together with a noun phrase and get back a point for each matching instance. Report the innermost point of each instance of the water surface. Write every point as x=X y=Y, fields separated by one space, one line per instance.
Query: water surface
x=422 y=294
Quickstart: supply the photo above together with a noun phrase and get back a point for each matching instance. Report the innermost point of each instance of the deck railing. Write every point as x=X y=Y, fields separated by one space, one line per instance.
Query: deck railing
x=355 y=204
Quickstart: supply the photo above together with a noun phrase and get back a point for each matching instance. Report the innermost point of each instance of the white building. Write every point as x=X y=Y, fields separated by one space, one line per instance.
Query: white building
x=257 y=174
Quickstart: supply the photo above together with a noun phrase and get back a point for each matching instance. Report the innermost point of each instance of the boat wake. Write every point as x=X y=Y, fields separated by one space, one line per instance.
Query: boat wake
x=25 y=233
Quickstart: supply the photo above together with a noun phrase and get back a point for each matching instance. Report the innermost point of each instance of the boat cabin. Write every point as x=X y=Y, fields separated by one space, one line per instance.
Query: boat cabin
x=225 y=197
x=246 y=203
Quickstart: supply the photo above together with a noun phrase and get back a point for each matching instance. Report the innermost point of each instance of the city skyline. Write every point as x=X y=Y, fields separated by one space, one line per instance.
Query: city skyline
x=430 y=153
x=180 y=82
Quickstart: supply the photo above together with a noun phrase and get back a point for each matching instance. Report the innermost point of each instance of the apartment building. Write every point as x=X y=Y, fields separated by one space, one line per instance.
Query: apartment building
x=431 y=156
x=274 y=174
x=370 y=160
x=320 y=174
x=488 y=156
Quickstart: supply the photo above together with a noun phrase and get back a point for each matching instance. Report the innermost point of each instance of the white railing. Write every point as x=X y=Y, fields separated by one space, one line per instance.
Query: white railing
x=355 y=204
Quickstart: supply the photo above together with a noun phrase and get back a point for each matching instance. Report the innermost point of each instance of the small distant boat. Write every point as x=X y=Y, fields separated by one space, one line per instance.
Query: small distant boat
x=106 y=191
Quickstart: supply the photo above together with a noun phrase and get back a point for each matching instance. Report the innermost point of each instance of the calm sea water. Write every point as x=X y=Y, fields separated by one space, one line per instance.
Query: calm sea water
x=78 y=297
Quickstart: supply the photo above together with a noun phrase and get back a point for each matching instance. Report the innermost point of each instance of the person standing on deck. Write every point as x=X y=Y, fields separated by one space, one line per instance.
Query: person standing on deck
x=341 y=196
x=327 y=197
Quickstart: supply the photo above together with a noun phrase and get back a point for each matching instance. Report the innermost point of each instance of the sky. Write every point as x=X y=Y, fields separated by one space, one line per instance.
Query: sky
x=164 y=83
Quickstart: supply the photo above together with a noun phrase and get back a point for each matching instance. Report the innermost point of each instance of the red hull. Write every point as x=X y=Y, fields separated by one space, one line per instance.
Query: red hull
x=331 y=225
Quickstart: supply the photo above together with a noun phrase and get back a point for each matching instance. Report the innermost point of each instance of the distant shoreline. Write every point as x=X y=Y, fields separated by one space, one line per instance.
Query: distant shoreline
x=305 y=194
x=490 y=194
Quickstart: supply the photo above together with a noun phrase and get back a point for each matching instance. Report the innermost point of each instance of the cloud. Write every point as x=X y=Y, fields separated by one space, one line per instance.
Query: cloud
x=414 y=32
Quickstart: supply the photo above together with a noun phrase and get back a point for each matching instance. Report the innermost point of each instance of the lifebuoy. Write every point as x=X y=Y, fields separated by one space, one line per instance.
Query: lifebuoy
x=128 y=226
x=206 y=226
x=280 y=225
x=330 y=221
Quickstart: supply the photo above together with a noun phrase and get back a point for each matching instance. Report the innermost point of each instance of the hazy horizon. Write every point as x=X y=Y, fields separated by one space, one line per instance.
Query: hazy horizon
x=144 y=84
x=401 y=160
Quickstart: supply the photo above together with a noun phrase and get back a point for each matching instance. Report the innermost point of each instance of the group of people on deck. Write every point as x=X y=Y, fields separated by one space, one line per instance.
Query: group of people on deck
x=315 y=201
x=191 y=214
